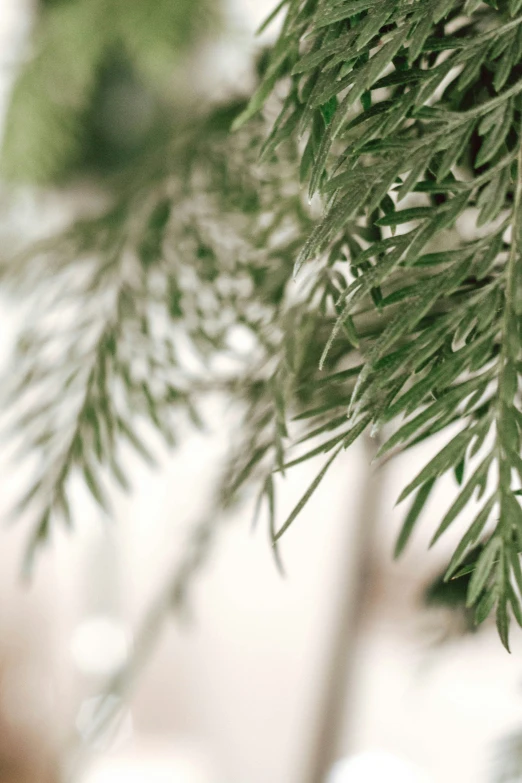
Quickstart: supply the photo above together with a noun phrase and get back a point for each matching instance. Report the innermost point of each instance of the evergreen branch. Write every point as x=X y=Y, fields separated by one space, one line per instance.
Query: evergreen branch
x=446 y=127
x=509 y=529
x=411 y=114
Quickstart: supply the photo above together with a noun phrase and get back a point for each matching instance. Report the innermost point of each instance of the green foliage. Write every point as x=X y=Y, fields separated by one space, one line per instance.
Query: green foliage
x=412 y=113
x=404 y=117
x=89 y=58
x=452 y=593
x=102 y=357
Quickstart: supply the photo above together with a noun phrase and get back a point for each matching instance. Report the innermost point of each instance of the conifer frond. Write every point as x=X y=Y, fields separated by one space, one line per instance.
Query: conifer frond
x=102 y=356
x=411 y=111
x=407 y=117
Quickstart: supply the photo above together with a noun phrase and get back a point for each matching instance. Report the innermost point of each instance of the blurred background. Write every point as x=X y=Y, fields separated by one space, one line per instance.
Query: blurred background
x=353 y=668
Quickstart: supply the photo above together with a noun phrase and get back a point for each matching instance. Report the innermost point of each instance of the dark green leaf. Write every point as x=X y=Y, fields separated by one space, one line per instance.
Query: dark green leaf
x=450 y=455
x=307 y=495
x=479 y=476
x=470 y=537
x=483 y=569
x=412 y=516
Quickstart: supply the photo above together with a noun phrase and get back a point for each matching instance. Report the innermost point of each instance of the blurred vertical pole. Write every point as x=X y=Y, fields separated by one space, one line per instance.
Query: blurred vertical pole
x=334 y=716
